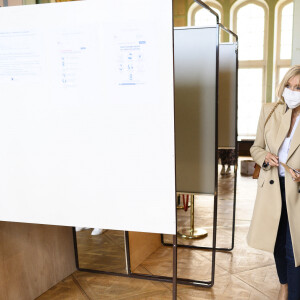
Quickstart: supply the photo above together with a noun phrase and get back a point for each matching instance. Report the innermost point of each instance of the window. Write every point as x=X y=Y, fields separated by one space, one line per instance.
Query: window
x=283 y=43
x=199 y=16
x=249 y=20
x=250 y=95
x=204 y=18
x=250 y=29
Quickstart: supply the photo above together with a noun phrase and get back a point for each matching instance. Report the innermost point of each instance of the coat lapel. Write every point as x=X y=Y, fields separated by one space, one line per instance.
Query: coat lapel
x=295 y=141
x=283 y=128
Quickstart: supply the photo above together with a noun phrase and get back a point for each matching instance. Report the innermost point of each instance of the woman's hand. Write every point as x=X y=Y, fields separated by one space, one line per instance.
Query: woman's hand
x=272 y=159
x=295 y=176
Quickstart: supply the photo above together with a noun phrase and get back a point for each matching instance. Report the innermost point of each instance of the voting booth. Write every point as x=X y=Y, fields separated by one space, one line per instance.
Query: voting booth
x=89 y=127
x=205 y=122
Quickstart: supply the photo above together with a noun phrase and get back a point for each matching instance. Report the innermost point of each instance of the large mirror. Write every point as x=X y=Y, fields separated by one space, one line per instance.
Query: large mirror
x=101 y=250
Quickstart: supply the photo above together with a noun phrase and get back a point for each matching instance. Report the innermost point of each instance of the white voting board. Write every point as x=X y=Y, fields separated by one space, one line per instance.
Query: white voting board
x=87 y=116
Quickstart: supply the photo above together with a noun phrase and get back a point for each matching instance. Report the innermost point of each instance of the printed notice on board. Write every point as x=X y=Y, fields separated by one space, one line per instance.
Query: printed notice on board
x=131 y=48
x=72 y=48
x=20 y=56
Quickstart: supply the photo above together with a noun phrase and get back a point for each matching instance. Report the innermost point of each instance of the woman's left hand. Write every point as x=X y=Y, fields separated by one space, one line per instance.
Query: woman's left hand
x=295 y=176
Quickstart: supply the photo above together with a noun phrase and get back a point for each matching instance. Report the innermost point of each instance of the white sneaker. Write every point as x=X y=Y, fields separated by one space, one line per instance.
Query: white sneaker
x=228 y=170
x=97 y=231
x=81 y=228
x=223 y=170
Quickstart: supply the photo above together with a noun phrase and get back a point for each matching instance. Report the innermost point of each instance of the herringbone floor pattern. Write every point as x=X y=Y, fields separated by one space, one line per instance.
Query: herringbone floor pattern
x=242 y=274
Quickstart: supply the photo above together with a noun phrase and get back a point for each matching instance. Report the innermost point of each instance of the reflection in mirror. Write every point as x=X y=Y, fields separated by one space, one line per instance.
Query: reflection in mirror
x=227 y=143
x=102 y=251
x=194 y=264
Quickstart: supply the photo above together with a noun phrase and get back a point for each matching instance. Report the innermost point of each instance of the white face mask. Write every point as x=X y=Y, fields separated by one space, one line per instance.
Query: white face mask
x=291 y=98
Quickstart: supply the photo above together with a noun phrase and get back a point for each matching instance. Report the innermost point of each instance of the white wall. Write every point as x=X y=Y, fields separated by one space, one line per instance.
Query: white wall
x=296 y=34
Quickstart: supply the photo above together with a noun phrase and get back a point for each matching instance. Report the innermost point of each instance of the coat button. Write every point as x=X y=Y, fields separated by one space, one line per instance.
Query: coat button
x=271 y=181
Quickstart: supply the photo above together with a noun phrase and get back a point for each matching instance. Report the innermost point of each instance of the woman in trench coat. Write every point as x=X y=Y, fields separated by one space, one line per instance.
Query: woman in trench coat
x=275 y=225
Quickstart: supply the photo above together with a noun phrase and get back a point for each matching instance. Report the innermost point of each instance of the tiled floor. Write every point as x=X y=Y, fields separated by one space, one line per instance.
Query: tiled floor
x=243 y=273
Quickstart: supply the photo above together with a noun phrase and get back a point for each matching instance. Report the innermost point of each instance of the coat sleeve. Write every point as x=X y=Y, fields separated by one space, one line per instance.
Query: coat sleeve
x=258 y=151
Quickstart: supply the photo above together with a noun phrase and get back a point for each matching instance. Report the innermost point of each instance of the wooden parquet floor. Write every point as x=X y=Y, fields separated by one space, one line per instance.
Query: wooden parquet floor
x=242 y=274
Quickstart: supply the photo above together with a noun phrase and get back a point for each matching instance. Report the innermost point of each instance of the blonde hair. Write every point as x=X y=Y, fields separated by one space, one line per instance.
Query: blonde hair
x=271 y=112
x=293 y=71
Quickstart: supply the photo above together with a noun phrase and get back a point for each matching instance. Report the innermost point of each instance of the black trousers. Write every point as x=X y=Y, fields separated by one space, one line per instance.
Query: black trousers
x=283 y=252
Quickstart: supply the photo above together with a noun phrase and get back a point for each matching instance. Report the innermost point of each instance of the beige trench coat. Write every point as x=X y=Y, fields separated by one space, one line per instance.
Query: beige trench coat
x=267 y=210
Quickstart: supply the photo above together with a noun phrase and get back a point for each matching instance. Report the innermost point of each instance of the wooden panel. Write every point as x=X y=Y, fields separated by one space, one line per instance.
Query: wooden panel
x=141 y=245
x=33 y=258
x=244 y=147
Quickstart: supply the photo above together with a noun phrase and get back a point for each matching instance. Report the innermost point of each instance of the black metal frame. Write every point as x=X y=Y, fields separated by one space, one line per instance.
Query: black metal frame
x=174 y=278
x=129 y=273
x=236 y=152
x=215 y=212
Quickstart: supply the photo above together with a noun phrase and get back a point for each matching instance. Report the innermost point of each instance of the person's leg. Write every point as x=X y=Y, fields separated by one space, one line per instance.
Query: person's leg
x=280 y=252
x=293 y=273
x=280 y=245
x=223 y=171
x=222 y=157
x=228 y=170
